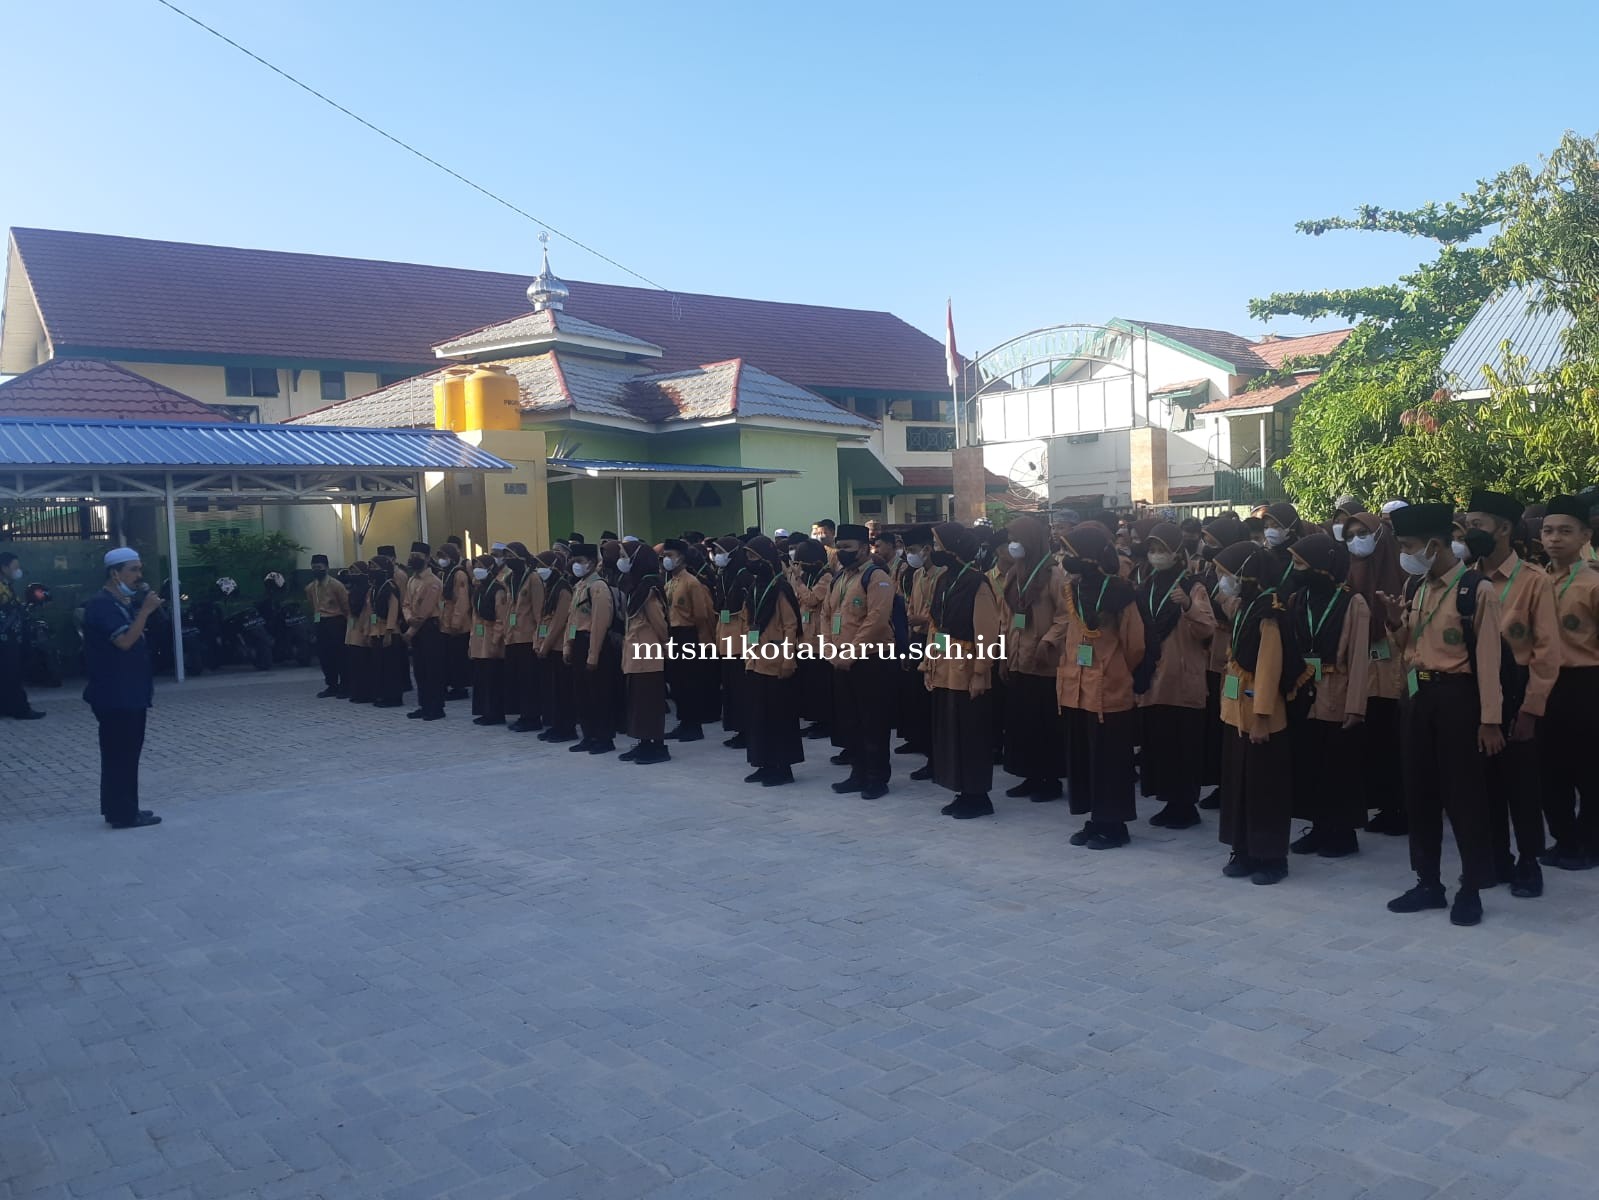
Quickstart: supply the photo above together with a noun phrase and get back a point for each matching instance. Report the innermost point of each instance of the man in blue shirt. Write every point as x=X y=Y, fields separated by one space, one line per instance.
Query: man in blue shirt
x=120 y=688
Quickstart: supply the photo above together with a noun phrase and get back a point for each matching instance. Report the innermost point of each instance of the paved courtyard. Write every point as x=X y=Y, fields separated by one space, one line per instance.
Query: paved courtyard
x=364 y=958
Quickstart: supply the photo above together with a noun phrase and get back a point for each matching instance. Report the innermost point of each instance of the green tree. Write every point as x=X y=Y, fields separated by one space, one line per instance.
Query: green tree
x=247 y=558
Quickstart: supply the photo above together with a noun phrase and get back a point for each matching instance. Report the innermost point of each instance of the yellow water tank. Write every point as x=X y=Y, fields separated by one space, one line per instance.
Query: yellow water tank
x=449 y=399
x=493 y=399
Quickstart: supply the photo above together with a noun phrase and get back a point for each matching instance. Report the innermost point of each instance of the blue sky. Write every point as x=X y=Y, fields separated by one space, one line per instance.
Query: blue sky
x=1039 y=162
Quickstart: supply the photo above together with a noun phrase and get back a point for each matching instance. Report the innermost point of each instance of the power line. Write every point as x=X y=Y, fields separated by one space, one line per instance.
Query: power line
x=404 y=145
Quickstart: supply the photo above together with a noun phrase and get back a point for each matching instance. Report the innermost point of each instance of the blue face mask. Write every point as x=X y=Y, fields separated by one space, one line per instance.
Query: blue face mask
x=127 y=592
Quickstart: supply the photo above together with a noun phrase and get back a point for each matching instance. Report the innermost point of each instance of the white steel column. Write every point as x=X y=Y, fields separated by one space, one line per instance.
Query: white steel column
x=175 y=604
x=620 y=528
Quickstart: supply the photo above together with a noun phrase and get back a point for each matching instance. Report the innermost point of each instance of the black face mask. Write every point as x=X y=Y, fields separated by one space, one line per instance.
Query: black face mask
x=943 y=558
x=1479 y=544
x=1073 y=565
x=848 y=558
x=415 y=565
x=1208 y=552
x=319 y=572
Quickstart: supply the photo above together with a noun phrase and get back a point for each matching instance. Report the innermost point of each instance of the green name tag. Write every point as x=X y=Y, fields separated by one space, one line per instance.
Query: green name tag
x=1382 y=651
x=805 y=618
x=753 y=637
x=1229 y=688
x=1085 y=654
x=1412 y=682
x=479 y=629
x=942 y=640
x=374 y=619
x=1315 y=665
x=838 y=622
x=727 y=616
x=571 y=632
x=1019 y=621
x=513 y=620
x=317 y=620
x=544 y=631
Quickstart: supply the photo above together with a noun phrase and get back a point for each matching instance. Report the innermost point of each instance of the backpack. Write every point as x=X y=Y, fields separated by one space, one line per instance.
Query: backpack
x=899 y=619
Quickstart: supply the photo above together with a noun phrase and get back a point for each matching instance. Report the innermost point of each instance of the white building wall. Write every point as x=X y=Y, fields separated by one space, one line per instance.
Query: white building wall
x=298 y=391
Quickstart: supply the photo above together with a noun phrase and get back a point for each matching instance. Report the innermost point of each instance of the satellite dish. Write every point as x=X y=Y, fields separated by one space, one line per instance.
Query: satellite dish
x=1029 y=479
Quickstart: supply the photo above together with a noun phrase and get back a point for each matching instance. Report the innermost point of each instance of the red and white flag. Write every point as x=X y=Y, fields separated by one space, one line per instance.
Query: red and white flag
x=952 y=360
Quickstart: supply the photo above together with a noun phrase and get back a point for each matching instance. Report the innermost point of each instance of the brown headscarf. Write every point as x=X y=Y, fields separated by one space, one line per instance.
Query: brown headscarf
x=1025 y=580
x=1378 y=572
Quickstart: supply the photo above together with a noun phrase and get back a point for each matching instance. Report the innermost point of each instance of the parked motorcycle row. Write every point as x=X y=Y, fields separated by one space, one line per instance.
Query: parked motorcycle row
x=222 y=628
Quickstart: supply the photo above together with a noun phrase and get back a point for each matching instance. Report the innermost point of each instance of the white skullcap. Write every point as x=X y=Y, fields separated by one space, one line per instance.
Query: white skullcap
x=629 y=538
x=121 y=555
x=499 y=546
x=1394 y=506
x=782 y=533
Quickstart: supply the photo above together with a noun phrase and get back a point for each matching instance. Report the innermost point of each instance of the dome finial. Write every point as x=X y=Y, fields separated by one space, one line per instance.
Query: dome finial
x=546 y=291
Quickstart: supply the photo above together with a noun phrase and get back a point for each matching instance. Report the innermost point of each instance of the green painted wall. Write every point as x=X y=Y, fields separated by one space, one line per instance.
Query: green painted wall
x=793 y=503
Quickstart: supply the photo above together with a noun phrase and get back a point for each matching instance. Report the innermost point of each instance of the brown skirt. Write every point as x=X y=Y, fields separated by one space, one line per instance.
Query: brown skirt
x=963 y=742
x=646 y=706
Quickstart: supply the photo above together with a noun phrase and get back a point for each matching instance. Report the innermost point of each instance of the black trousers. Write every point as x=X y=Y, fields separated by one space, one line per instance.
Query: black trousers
x=694 y=683
x=1035 y=731
x=1445 y=775
x=488 y=688
x=863 y=707
x=1566 y=738
x=963 y=741
x=1173 y=741
x=394 y=670
x=330 y=650
x=595 y=690
x=457 y=662
x=773 y=727
x=915 y=708
x=358 y=673
x=646 y=705
x=13 y=700
x=1326 y=789
x=427 y=653
x=523 y=684
x=1215 y=731
x=559 y=701
x=1256 y=794
x=121 y=744
x=735 y=694
x=1382 y=775
x=1099 y=754
x=816 y=683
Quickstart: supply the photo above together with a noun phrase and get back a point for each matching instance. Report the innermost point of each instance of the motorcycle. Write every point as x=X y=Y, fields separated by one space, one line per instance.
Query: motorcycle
x=292 y=635
x=238 y=636
x=158 y=633
x=41 y=665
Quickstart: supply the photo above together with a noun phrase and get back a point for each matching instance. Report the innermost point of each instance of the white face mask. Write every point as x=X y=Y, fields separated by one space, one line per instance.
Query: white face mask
x=624 y=564
x=1161 y=559
x=16 y=572
x=1416 y=564
x=720 y=560
x=1362 y=545
x=1458 y=549
x=1338 y=530
x=580 y=569
x=1276 y=536
x=793 y=556
x=544 y=573
x=1227 y=585
x=1017 y=550
x=914 y=559
x=480 y=573
x=668 y=563
x=443 y=562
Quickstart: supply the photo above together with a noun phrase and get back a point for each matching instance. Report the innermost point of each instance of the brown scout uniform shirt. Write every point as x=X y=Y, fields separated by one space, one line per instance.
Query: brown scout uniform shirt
x=1441 y=645
x=327 y=598
x=423 y=593
x=358 y=631
x=527 y=602
x=1531 y=629
x=1576 y=596
x=457 y=618
x=1033 y=646
x=860 y=616
x=647 y=627
x=488 y=636
x=783 y=630
x=688 y=605
x=1345 y=684
x=1179 y=680
x=1103 y=683
x=590 y=613
x=1258 y=693
x=550 y=635
x=959 y=667
x=813 y=608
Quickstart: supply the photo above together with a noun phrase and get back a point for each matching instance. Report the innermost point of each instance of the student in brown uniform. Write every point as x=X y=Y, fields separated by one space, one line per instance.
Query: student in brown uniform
x=1333 y=627
x=915 y=584
x=964 y=627
x=773 y=727
x=425 y=591
x=644 y=655
x=455 y=622
x=1035 y=731
x=1102 y=645
x=1373 y=569
x=1569 y=729
x=813 y=673
x=732 y=598
x=1453 y=711
x=1216 y=535
x=1264 y=672
x=556 y=699
x=491 y=610
x=860 y=611
x=587 y=653
x=358 y=670
x=329 y=604
x=691 y=679
x=1170 y=683
x=392 y=668
x=522 y=662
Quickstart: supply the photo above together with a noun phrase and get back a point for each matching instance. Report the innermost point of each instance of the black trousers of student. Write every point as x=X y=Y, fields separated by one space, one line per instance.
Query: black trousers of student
x=488 y=688
x=1566 y=738
x=1445 y=776
x=735 y=694
x=694 y=683
x=1382 y=777
x=1327 y=789
x=393 y=670
x=523 y=687
x=13 y=699
x=1035 y=731
x=963 y=741
x=121 y=744
x=427 y=658
x=358 y=674
x=1215 y=731
x=1173 y=753
x=863 y=706
x=815 y=677
x=457 y=661
x=1099 y=758
x=997 y=707
x=915 y=708
x=559 y=697
x=1515 y=797
x=773 y=727
x=330 y=633
x=1256 y=794
x=595 y=691
x=646 y=705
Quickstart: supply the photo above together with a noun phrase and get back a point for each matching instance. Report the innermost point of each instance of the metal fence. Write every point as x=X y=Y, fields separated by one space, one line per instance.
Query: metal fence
x=53 y=522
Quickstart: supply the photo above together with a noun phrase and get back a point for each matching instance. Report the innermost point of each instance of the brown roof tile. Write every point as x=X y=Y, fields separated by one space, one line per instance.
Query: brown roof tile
x=1277 y=350
x=1266 y=397
x=90 y=387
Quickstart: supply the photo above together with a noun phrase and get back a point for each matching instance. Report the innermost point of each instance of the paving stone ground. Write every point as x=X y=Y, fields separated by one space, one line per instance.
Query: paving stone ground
x=367 y=959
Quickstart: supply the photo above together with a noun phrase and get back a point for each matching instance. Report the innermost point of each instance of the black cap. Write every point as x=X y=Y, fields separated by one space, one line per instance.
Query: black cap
x=454 y=540
x=857 y=532
x=1496 y=504
x=1570 y=506
x=319 y=560
x=574 y=539
x=583 y=550
x=421 y=548
x=386 y=551
x=1423 y=520
x=607 y=536
x=919 y=535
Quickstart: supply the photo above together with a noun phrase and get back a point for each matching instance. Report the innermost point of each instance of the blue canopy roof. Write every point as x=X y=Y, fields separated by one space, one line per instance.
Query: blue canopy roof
x=125 y=445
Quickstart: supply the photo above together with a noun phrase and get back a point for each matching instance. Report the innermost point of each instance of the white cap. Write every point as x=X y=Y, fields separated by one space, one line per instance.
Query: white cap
x=781 y=533
x=121 y=555
x=1394 y=506
x=498 y=546
x=629 y=538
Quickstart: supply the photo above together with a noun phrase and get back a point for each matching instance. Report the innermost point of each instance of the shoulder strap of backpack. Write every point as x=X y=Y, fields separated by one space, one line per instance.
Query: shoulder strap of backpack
x=1466 y=606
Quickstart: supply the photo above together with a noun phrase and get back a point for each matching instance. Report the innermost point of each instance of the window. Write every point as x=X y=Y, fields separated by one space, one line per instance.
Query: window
x=333 y=385
x=250 y=381
x=869 y=406
x=385 y=378
x=925 y=409
x=516 y=489
x=927 y=509
x=870 y=508
x=930 y=438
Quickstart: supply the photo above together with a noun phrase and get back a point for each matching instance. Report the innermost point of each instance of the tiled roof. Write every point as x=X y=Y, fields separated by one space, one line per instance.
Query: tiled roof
x=1266 y=397
x=1277 y=350
x=89 y=387
x=1535 y=336
x=942 y=479
x=732 y=388
x=152 y=297
x=537 y=327
x=1218 y=343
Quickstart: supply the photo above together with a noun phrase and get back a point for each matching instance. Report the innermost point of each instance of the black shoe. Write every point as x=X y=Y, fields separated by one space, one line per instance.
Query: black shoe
x=558 y=737
x=1240 y=866
x=684 y=732
x=606 y=747
x=1420 y=898
x=143 y=812
x=1162 y=816
x=1108 y=837
x=778 y=777
x=1306 y=843
x=949 y=809
x=1390 y=821
x=33 y=714
x=1269 y=871
x=1338 y=845
x=652 y=752
x=874 y=791
x=922 y=774
x=458 y=694
x=327 y=694
x=1528 y=884
x=581 y=746
x=526 y=727
x=1048 y=789
x=845 y=786
x=142 y=821
x=630 y=755
x=433 y=716
x=757 y=776
x=1025 y=788
x=1467 y=909
x=1181 y=818
x=970 y=807
x=737 y=742
x=1567 y=856
x=1080 y=838
x=488 y=720
x=388 y=704
x=816 y=732
x=906 y=748
x=416 y=714
x=841 y=759
x=1211 y=801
